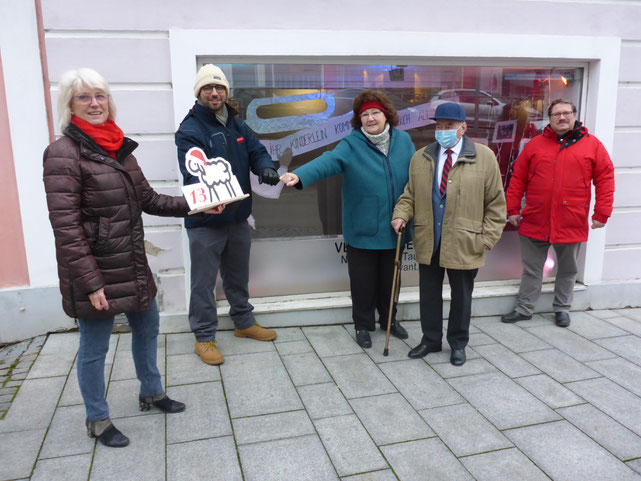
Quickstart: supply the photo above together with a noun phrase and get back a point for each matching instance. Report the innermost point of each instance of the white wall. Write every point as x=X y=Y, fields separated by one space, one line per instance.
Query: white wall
x=129 y=43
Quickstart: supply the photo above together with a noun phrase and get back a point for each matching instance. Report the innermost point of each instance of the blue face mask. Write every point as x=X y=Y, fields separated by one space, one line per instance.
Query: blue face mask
x=447 y=138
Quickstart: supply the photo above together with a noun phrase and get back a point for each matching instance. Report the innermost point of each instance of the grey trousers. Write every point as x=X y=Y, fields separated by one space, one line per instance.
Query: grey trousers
x=533 y=254
x=212 y=248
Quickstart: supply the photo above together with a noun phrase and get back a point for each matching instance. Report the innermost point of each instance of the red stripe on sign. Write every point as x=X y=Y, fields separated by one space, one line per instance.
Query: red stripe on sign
x=240 y=139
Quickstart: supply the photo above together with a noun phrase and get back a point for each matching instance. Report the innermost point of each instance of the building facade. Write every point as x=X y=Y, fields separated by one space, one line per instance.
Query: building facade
x=294 y=71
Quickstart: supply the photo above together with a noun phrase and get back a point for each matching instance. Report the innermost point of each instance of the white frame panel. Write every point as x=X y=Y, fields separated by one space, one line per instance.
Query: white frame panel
x=599 y=55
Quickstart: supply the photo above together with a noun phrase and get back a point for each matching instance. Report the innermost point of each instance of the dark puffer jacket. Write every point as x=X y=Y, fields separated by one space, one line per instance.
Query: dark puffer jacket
x=95 y=206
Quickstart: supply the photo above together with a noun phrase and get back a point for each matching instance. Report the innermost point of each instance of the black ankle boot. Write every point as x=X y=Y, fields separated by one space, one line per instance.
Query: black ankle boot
x=165 y=404
x=106 y=433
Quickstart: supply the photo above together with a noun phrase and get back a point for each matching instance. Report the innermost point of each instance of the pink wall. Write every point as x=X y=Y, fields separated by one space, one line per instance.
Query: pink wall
x=13 y=259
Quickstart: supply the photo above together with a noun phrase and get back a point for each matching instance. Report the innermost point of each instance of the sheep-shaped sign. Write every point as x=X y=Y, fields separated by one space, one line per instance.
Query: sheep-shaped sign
x=218 y=185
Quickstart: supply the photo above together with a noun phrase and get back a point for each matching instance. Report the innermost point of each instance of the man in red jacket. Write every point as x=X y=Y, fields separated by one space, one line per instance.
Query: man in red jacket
x=554 y=171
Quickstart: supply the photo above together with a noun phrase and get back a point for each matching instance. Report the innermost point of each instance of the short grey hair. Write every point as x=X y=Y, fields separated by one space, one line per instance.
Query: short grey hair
x=71 y=82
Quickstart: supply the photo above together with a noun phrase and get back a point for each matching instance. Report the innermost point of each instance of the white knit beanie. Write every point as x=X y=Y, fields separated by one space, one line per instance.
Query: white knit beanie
x=210 y=74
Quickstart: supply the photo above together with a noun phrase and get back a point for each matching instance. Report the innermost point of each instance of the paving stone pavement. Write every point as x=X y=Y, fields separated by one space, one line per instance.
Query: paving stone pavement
x=533 y=402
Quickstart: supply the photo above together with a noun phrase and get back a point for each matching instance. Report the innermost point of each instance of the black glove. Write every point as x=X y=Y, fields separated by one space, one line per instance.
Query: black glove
x=269 y=176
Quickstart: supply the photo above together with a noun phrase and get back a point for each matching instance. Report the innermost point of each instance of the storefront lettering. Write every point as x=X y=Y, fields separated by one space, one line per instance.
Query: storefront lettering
x=343 y=127
x=308 y=138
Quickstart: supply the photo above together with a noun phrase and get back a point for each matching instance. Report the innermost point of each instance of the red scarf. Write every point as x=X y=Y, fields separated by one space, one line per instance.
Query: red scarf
x=108 y=135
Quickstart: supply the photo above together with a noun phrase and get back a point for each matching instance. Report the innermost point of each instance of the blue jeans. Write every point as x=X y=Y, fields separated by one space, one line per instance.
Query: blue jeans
x=94 y=344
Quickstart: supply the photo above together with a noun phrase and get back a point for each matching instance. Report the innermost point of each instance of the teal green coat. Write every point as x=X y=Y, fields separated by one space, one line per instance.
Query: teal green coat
x=372 y=183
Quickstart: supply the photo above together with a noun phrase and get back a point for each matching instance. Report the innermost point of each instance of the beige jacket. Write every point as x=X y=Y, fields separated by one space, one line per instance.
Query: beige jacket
x=475 y=213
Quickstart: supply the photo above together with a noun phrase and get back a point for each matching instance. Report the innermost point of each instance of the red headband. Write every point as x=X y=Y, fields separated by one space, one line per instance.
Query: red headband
x=372 y=105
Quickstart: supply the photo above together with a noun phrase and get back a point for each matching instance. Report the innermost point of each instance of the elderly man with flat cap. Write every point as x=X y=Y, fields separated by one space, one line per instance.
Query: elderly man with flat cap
x=455 y=197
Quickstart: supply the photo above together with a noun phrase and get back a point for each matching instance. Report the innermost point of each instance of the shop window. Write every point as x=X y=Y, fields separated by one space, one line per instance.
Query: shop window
x=300 y=111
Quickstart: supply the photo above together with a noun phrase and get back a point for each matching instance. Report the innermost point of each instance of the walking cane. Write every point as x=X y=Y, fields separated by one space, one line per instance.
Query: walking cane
x=396 y=286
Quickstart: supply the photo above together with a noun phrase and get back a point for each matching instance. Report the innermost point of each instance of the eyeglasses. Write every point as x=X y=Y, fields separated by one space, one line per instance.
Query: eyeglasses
x=86 y=98
x=561 y=114
x=219 y=88
x=376 y=113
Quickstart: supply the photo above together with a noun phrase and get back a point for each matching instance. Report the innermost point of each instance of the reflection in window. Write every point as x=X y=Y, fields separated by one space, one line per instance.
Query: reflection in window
x=300 y=111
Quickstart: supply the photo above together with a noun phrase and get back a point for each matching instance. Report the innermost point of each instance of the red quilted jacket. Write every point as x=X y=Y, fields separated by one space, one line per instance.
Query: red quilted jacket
x=556 y=177
x=95 y=206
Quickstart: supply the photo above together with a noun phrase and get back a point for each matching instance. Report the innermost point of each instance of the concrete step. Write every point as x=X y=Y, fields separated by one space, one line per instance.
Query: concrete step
x=490 y=299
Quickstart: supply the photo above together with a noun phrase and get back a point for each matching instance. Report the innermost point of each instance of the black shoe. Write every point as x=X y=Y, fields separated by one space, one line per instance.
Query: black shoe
x=110 y=436
x=458 y=357
x=422 y=350
x=562 y=319
x=514 y=317
x=165 y=404
x=397 y=331
x=363 y=339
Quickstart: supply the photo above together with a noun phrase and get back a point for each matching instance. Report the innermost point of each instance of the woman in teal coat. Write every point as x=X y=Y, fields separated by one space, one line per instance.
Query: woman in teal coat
x=374 y=160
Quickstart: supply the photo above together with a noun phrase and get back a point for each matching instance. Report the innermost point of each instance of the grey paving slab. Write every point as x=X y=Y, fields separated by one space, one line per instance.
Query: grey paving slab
x=144 y=458
x=612 y=399
x=33 y=405
x=559 y=365
x=635 y=464
x=71 y=393
x=502 y=401
x=324 y=400
x=297 y=459
x=272 y=426
x=124 y=341
x=69 y=468
x=591 y=327
x=122 y=397
x=212 y=459
x=506 y=361
x=22 y=448
x=614 y=437
x=331 y=341
x=414 y=332
x=397 y=349
x=506 y=464
x=565 y=453
x=205 y=415
x=67 y=434
x=230 y=345
x=349 y=446
x=631 y=313
x=464 y=430
x=389 y=418
x=384 y=475
x=570 y=343
x=425 y=459
x=420 y=385
x=123 y=367
x=627 y=324
x=60 y=343
x=549 y=391
x=357 y=375
x=620 y=371
x=258 y=384
x=189 y=368
x=286 y=334
x=513 y=336
x=480 y=339
x=604 y=313
x=293 y=347
x=628 y=347
x=51 y=365
x=306 y=369
x=471 y=367
x=181 y=343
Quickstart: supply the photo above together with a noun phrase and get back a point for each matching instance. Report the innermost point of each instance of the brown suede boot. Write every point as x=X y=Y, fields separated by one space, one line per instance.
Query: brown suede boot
x=256 y=332
x=209 y=353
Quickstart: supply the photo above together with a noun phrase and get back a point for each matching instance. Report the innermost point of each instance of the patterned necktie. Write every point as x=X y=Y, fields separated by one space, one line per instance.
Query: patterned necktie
x=446 y=171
